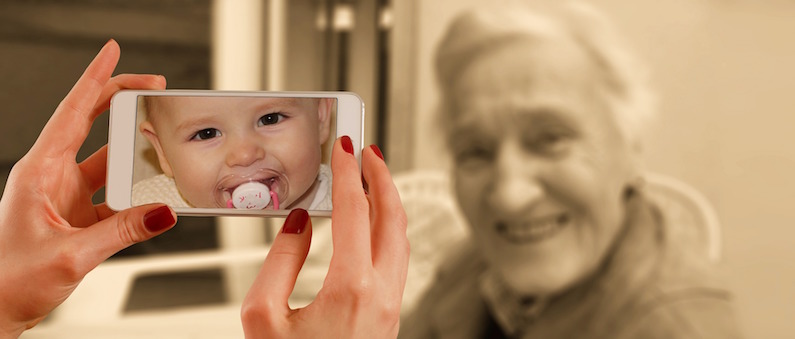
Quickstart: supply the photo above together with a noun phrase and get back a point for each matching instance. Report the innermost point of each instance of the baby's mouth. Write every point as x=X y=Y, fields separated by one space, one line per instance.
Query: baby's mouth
x=263 y=189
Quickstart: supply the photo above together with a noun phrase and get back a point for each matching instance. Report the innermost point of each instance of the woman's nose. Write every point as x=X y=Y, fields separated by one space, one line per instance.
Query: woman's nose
x=243 y=151
x=516 y=185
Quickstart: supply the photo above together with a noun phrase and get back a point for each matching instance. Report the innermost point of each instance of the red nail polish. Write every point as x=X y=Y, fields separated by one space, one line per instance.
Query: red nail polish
x=296 y=221
x=377 y=151
x=159 y=219
x=347 y=145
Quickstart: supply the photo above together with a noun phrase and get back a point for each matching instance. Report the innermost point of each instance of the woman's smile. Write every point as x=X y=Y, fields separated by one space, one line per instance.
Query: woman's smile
x=533 y=230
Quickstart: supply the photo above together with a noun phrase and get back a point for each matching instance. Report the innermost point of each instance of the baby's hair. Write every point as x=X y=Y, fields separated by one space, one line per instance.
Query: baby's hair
x=149 y=107
x=482 y=30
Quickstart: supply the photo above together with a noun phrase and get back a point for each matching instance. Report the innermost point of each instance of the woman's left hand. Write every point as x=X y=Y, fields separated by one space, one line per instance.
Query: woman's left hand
x=363 y=289
x=51 y=234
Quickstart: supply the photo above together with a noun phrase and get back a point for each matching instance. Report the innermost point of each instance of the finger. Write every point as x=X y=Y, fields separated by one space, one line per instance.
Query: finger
x=350 y=226
x=69 y=125
x=108 y=236
x=390 y=244
x=268 y=295
x=125 y=81
x=103 y=211
x=93 y=169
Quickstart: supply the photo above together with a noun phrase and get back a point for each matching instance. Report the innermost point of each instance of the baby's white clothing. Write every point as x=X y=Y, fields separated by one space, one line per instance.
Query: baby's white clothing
x=162 y=189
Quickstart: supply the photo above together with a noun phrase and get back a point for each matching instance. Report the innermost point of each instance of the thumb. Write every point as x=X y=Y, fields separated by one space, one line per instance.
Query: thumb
x=268 y=295
x=123 y=229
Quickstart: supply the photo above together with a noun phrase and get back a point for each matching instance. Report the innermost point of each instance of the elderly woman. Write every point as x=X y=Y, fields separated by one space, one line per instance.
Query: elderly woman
x=543 y=112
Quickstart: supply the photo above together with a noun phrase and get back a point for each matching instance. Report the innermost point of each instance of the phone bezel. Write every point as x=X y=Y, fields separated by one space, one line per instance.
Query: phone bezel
x=123 y=127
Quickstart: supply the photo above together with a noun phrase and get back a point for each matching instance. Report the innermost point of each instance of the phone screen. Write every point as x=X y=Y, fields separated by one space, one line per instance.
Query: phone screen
x=234 y=152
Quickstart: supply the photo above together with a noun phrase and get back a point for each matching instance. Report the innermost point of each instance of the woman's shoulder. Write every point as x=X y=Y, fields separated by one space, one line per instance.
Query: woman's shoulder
x=699 y=314
x=685 y=295
x=452 y=300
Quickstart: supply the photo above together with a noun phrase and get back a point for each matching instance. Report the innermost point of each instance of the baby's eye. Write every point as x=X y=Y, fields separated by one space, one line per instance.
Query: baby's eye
x=207 y=133
x=270 y=119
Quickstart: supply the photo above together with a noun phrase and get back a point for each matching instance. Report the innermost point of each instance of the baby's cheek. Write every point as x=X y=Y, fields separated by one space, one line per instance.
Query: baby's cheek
x=302 y=179
x=196 y=195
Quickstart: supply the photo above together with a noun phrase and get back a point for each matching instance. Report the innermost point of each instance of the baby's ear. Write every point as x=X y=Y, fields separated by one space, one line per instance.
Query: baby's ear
x=324 y=108
x=148 y=131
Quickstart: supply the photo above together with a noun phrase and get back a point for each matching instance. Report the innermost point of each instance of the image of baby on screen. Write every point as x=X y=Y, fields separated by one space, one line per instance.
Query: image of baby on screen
x=237 y=152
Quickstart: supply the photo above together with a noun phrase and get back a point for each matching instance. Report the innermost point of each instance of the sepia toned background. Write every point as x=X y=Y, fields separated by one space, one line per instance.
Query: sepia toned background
x=722 y=69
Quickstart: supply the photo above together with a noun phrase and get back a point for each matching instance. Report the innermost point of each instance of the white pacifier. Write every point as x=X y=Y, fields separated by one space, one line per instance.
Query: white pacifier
x=257 y=190
x=251 y=196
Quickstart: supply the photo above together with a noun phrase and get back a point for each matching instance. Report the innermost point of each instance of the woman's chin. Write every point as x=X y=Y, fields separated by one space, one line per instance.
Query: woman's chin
x=541 y=278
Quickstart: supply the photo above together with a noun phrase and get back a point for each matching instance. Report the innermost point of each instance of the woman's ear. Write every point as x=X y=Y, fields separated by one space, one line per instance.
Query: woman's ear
x=148 y=130
x=324 y=108
x=635 y=161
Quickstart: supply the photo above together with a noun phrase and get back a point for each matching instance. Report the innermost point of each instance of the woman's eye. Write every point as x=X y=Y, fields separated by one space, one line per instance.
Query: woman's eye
x=550 y=142
x=550 y=139
x=207 y=133
x=470 y=156
x=270 y=119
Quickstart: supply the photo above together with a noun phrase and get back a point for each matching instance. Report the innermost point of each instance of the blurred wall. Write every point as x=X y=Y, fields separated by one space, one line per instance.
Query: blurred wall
x=724 y=73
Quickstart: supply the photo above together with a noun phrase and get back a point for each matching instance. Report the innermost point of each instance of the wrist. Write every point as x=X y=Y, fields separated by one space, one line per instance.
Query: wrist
x=9 y=328
x=10 y=332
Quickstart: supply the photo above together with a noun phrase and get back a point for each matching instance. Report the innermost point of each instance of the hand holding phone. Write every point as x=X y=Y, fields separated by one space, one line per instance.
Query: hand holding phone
x=367 y=274
x=51 y=235
x=228 y=153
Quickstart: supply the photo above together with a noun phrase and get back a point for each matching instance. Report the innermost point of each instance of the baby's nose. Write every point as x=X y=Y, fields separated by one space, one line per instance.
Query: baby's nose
x=244 y=152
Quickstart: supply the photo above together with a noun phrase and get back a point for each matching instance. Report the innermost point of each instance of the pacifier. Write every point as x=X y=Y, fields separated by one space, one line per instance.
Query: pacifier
x=261 y=189
x=253 y=195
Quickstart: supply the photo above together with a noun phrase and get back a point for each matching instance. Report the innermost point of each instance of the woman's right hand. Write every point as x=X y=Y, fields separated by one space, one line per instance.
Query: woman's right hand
x=363 y=289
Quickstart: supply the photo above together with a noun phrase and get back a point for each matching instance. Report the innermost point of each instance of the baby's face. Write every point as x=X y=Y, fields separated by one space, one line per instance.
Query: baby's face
x=212 y=145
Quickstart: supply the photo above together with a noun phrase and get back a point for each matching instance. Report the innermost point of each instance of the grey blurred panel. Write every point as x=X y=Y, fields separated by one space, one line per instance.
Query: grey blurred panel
x=46 y=45
x=161 y=22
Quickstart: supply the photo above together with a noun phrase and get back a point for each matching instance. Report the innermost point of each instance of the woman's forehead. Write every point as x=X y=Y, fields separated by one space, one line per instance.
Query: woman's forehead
x=516 y=112
x=530 y=65
x=528 y=77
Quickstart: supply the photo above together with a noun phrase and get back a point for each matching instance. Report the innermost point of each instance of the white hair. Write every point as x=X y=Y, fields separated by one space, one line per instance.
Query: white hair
x=478 y=31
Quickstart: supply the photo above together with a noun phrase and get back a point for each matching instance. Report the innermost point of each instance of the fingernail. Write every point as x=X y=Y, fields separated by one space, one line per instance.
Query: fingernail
x=159 y=219
x=377 y=151
x=347 y=145
x=296 y=221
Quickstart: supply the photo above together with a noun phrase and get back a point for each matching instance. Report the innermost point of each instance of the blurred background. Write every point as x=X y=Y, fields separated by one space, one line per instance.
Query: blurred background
x=723 y=70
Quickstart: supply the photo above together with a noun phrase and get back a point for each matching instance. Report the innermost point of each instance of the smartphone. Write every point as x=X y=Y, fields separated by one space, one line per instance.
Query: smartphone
x=219 y=153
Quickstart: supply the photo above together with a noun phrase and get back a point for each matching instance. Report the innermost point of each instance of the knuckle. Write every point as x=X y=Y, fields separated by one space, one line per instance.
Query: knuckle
x=128 y=232
x=354 y=204
x=69 y=105
x=360 y=290
x=252 y=313
x=389 y=312
x=67 y=264
x=258 y=313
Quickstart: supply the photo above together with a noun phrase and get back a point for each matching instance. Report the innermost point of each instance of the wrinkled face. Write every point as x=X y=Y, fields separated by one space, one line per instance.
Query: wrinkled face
x=211 y=145
x=540 y=166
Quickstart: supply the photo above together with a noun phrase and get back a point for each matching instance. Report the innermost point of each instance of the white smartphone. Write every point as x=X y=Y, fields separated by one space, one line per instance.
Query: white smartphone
x=209 y=153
